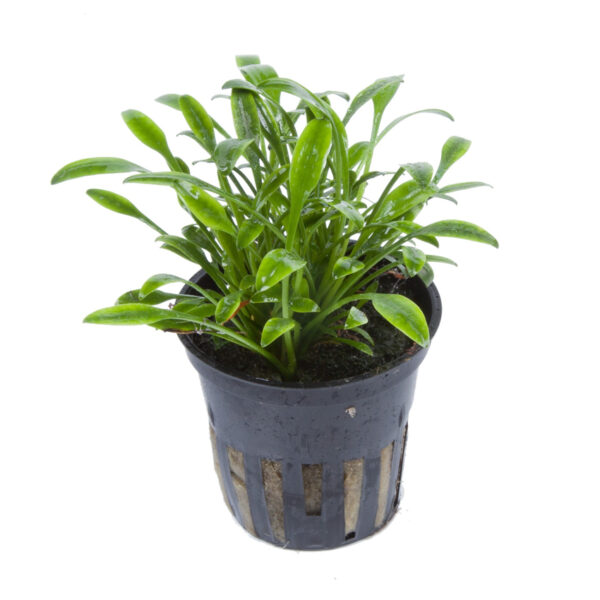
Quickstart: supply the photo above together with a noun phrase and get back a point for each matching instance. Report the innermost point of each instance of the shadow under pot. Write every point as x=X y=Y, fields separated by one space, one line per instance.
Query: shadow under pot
x=312 y=466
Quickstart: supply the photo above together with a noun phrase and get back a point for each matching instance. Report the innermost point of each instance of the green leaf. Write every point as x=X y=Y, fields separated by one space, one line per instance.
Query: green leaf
x=247 y=282
x=346 y=266
x=171 y=100
x=247 y=233
x=121 y=205
x=457 y=187
x=361 y=346
x=402 y=199
x=228 y=306
x=304 y=305
x=355 y=318
x=205 y=208
x=275 y=266
x=182 y=247
x=414 y=259
x=411 y=227
x=228 y=153
x=403 y=314
x=459 y=229
x=158 y=297
x=357 y=153
x=199 y=121
x=245 y=115
x=243 y=60
x=128 y=314
x=452 y=150
x=440 y=259
x=350 y=213
x=421 y=172
x=308 y=161
x=380 y=91
x=275 y=328
x=95 y=166
x=434 y=111
x=157 y=281
x=271 y=295
x=426 y=274
x=257 y=73
x=148 y=132
x=272 y=183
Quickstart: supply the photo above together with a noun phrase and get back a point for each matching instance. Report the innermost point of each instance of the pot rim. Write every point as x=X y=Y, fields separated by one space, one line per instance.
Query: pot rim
x=391 y=367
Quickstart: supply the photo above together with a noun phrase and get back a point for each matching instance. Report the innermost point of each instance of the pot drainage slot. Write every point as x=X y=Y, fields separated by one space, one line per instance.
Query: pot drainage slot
x=385 y=473
x=312 y=477
x=353 y=477
x=273 y=486
x=238 y=479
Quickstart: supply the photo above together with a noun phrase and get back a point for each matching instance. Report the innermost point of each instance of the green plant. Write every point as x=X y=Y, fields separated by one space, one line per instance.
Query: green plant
x=288 y=238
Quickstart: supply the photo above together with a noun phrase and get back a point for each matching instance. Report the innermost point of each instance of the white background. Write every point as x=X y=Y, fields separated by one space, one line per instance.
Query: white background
x=106 y=481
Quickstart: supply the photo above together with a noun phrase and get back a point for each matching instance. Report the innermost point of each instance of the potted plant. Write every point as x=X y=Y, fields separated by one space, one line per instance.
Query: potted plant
x=313 y=307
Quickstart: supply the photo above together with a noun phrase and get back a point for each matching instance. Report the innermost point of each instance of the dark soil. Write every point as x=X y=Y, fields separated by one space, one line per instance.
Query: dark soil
x=326 y=360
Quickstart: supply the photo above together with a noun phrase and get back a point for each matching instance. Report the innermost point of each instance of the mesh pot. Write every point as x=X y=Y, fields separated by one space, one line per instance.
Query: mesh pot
x=312 y=466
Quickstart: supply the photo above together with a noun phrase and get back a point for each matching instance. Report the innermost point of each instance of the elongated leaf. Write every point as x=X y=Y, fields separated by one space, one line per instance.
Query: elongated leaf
x=228 y=306
x=457 y=187
x=357 y=153
x=361 y=346
x=403 y=314
x=95 y=166
x=248 y=232
x=410 y=227
x=380 y=91
x=206 y=208
x=245 y=115
x=275 y=328
x=342 y=95
x=273 y=182
x=257 y=73
x=434 y=111
x=421 y=172
x=148 y=132
x=414 y=259
x=157 y=297
x=452 y=150
x=228 y=152
x=120 y=204
x=355 y=318
x=426 y=274
x=402 y=199
x=350 y=213
x=199 y=121
x=171 y=100
x=346 y=266
x=459 y=229
x=304 y=305
x=182 y=247
x=243 y=60
x=440 y=259
x=308 y=161
x=275 y=266
x=128 y=314
x=157 y=281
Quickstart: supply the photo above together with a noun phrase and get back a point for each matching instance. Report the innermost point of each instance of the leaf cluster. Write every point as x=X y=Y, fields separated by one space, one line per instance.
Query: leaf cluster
x=284 y=229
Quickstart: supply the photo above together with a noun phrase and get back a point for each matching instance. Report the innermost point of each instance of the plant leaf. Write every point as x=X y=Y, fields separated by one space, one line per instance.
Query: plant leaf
x=421 y=172
x=171 y=100
x=440 y=259
x=248 y=232
x=275 y=266
x=128 y=314
x=403 y=314
x=355 y=344
x=426 y=274
x=380 y=91
x=457 y=187
x=452 y=150
x=275 y=328
x=459 y=229
x=199 y=121
x=205 y=208
x=120 y=204
x=402 y=199
x=414 y=259
x=95 y=166
x=304 y=305
x=148 y=132
x=227 y=306
x=357 y=153
x=346 y=266
x=243 y=60
x=228 y=152
x=434 y=111
x=355 y=318
x=350 y=213
x=157 y=281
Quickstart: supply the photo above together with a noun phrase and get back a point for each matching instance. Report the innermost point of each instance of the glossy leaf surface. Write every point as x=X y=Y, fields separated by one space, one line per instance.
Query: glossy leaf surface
x=275 y=266
x=403 y=314
x=275 y=328
x=95 y=166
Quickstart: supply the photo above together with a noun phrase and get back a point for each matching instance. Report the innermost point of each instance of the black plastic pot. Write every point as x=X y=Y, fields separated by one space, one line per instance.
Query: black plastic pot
x=312 y=466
